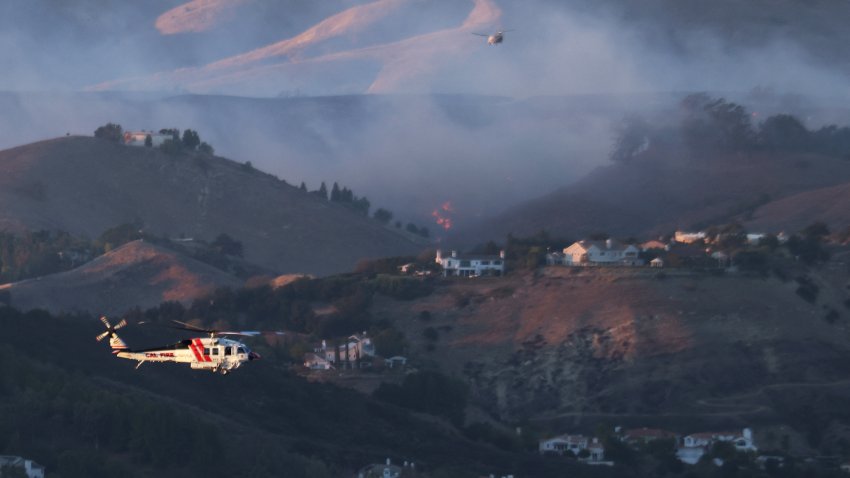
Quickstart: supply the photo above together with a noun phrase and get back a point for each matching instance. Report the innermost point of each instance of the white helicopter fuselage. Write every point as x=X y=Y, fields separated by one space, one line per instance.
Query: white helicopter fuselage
x=209 y=353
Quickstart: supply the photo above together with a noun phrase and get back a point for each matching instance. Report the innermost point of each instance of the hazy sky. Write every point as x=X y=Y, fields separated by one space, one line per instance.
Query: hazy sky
x=567 y=72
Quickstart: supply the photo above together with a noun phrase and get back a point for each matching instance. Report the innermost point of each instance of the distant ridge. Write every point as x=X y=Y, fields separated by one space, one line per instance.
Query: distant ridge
x=84 y=186
x=136 y=274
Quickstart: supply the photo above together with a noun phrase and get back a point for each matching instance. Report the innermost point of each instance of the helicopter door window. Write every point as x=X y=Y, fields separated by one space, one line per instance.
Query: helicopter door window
x=206 y=351
x=215 y=351
x=227 y=350
x=241 y=350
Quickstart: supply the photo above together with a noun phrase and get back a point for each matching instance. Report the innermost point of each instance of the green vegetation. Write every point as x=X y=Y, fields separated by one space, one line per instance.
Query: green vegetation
x=110 y=132
x=430 y=392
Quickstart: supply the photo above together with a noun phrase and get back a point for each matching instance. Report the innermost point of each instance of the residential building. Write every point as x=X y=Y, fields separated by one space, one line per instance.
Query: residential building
x=31 y=468
x=555 y=258
x=137 y=138
x=654 y=244
x=354 y=349
x=608 y=252
x=471 y=265
x=688 y=237
x=315 y=361
x=575 y=444
x=396 y=361
x=657 y=263
x=387 y=470
x=694 y=446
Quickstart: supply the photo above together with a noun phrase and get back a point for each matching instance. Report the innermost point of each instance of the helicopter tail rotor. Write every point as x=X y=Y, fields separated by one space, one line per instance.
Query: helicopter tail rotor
x=114 y=341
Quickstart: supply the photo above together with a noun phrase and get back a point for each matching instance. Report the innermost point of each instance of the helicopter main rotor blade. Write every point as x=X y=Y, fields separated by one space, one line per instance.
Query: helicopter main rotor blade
x=102 y=336
x=185 y=326
x=123 y=323
x=105 y=321
x=480 y=34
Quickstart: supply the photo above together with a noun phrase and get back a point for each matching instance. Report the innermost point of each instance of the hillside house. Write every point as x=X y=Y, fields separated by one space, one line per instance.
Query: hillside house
x=315 y=361
x=354 y=349
x=608 y=252
x=387 y=470
x=137 y=138
x=657 y=263
x=556 y=258
x=471 y=265
x=574 y=444
x=688 y=237
x=654 y=244
x=29 y=467
x=396 y=361
x=695 y=445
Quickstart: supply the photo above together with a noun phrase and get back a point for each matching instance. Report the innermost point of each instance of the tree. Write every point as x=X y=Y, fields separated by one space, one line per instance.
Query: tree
x=382 y=215
x=174 y=132
x=411 y=228
x=206 y=148
x=170 y=146
x=715 y=124
x=335 y=193
x=110 y=132
x=148 y=141
x=191 y=140
x=784 y=133
x=303 y=187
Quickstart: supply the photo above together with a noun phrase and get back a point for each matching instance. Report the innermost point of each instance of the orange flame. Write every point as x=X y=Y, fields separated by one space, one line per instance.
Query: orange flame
x=441 y=215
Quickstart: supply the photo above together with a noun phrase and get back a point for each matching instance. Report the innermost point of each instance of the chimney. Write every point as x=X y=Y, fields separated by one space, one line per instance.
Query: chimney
x=609 y=243
x=439 y=257
x=324 y=344
x=502 y=254
x=454 y=253
x=388 y=462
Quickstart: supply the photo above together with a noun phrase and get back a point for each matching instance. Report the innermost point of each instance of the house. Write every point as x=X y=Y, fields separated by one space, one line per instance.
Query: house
x=564 y=443
x=408 y=268
x=29 y=467
x=688 y=237
x=469 y=265
x=608 y=252
x=396 y=362
x=755 y=238
x=555 y=258
x=137 y=138
x=696 y=445
x=654 y=244
x=657 y=263
x=645 y=435
x=315 y=361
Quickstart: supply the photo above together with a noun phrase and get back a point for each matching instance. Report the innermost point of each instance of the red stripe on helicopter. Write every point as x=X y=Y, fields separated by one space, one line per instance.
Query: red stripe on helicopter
x=195 y=351
x=200 y=346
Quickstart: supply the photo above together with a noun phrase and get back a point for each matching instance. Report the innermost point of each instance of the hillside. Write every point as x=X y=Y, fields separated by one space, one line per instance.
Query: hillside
x=85 y=186
x=666 y=189
x=136 y=274
x=827 y=205
x=682 y=349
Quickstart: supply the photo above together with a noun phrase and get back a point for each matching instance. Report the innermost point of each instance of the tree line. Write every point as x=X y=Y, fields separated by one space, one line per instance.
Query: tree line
x=705 y=124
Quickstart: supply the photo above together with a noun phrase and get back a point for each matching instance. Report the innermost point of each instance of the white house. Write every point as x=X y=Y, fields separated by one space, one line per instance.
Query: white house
x=575 y=444
x=396 y=361
x=697 y=444
x=555 y=258
x=387 y=470
x=469 y=265
x=31 y=468
x=137 y=138
x=608 y=252
x=314 y=361
x=657 y=263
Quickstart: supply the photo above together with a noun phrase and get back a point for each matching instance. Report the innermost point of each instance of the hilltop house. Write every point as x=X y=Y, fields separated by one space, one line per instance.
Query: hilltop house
x=608 y=252
x=471 y=265
x=387 y=470
x=29 y=467
x=137 y=138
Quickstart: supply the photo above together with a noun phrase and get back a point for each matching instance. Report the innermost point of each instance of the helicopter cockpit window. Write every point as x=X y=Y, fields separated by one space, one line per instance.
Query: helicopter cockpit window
x=227 y=350
x=241 y=350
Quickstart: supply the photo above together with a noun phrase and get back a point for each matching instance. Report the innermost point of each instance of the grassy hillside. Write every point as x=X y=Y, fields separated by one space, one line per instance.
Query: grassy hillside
x=84 y=186
x=138 y=274
x=683 y=349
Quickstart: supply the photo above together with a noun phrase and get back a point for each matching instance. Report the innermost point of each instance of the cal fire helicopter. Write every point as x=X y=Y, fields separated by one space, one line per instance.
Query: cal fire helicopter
x=212 y=353
x=495 y=38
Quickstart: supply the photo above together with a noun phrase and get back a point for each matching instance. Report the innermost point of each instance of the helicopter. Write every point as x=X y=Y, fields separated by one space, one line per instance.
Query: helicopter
x=495 y=38
x=213 y=353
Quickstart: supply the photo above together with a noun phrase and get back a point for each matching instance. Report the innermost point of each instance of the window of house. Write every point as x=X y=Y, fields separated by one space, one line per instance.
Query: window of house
x=497 y=263
x=485 y=263
x=464 y=263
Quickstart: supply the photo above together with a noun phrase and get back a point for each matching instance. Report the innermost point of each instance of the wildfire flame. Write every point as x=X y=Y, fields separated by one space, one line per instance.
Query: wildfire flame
x=442 y=215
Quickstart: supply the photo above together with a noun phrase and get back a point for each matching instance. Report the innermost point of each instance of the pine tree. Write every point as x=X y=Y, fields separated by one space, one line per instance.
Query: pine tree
x=303 y=187
x=335 y=193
